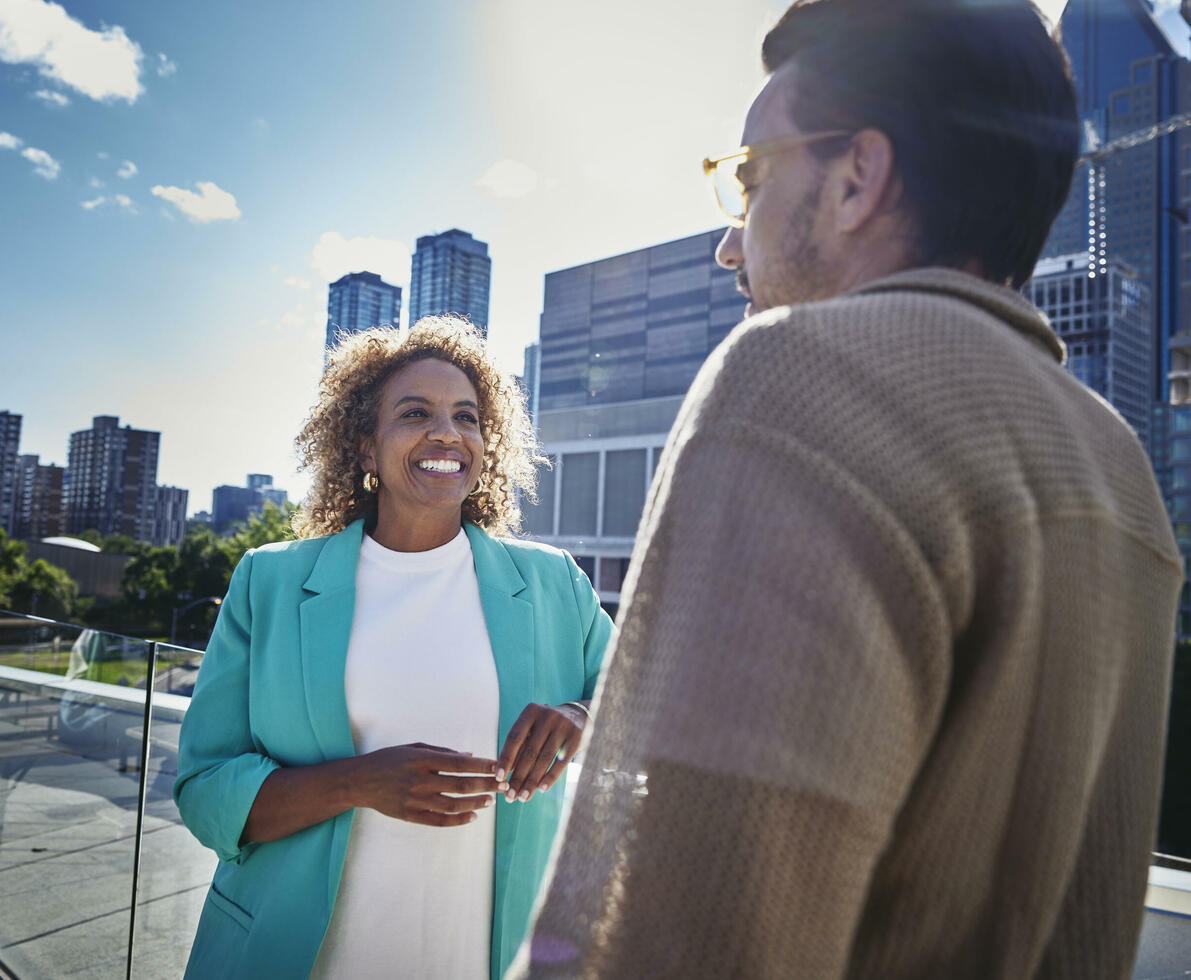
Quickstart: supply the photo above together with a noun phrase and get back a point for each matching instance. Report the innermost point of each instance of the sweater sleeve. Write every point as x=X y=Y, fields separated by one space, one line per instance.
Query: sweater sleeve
x=779 y=674
x=220 y=768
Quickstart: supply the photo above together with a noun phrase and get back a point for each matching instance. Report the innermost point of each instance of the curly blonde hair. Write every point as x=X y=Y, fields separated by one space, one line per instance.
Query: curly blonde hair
x=346 y=412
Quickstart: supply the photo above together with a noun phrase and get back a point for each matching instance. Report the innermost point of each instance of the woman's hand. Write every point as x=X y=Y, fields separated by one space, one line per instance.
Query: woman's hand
x=540 y=744
x=410 y=782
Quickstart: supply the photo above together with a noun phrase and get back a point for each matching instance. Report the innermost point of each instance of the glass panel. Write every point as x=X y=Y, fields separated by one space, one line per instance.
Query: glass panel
x=580 y=476
x=624 y=491
x=612 y=573
x=175 y=869
x=71 y=711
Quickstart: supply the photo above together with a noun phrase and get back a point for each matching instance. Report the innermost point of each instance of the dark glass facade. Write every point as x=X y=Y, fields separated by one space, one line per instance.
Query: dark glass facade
x=451 y=273
x=634 y=326
x=1131 y=205
x=361 y=300
x=1105 y=322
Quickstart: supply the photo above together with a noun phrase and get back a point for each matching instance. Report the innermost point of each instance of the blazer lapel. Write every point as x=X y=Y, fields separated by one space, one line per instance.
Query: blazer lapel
x=510 y=624
x=326 y=622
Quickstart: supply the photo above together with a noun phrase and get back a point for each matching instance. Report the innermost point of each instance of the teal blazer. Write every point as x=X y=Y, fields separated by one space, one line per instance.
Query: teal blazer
x=270 y=693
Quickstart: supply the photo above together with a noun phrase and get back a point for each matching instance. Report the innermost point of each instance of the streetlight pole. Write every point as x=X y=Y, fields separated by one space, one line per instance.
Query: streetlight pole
x=179 y=610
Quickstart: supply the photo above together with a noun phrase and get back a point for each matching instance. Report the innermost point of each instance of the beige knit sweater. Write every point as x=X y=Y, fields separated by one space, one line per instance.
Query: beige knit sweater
x=890 y=691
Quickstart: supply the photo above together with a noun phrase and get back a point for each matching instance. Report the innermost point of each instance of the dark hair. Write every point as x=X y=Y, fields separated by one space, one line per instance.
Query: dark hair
x=976 y=98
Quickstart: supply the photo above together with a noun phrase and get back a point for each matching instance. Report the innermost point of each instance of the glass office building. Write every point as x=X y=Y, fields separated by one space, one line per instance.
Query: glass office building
x=1105 y=322
x=451 y=273
x=1131 y=204
x=621 y=340
x=361 y=300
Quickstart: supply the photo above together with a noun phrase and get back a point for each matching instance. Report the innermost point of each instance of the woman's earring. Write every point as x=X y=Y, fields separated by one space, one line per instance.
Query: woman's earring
x=371 y=482
x=476 y=490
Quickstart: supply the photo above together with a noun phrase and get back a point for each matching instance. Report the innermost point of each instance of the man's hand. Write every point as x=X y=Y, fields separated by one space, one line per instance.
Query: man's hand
x=540 y=744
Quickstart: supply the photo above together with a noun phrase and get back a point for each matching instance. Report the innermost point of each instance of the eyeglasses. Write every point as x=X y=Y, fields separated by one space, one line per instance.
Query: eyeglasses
x=723 y=171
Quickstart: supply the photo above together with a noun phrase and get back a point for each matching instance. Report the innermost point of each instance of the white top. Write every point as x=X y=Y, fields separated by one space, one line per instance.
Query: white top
x=416 y=901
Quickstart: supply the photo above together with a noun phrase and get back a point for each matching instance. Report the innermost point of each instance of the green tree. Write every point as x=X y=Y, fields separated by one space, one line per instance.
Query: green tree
x=271 y=524
x=45 y=590
x=37 y=588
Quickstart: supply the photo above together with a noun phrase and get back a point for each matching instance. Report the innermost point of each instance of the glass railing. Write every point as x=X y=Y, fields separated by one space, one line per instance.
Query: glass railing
x=98 y=877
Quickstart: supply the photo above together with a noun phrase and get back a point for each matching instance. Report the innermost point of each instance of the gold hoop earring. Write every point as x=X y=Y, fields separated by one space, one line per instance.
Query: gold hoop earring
x=476 y=490
x=371 y=482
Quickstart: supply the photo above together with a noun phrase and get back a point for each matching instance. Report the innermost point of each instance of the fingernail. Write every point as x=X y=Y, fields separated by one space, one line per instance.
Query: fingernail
x=523 y=795
x=542 y=788
x=500 y=774
x=501 y=787
x=510 y=796
x=471 y=817
x=487 y=801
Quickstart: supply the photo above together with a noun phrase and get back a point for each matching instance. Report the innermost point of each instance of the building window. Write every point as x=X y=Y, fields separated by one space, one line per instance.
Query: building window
x=580 y=486
x=539 y=517
x=624 y=492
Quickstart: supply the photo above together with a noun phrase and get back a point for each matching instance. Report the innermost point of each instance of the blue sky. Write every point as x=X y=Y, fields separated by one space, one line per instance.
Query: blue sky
x=179 y=182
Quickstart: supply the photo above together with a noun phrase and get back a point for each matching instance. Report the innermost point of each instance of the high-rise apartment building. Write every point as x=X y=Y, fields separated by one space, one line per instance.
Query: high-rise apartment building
x=40 y=507
x=1132 y=203
x=111 y=479
x=361 y=300
x=169 y=515
x=621 y=340
x=451 y=274
x=10 y=441
x=1105 y=321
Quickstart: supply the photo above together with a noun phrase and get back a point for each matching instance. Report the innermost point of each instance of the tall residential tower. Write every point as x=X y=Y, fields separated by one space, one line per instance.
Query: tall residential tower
x=451 y=274
x=361 y=300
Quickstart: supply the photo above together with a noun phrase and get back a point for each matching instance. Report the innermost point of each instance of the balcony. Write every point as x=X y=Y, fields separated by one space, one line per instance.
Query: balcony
x=98 y=877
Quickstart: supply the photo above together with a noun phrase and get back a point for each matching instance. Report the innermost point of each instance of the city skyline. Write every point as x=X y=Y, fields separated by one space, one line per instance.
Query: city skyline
x=178 y=198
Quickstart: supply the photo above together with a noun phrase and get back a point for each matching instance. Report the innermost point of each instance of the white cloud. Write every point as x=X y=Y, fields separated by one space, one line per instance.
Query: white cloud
x=508 y=178
x=165 y=67
x=127 y=169
x=297 y=282
x=93 y=204
x=95 y=182
x=51 y=98
x=104 y=64
x=103 y=154
x=125 y=202
x=211 y=203
x=44 y=165
x=10 y=142
x=122 y=201
x=334 y=256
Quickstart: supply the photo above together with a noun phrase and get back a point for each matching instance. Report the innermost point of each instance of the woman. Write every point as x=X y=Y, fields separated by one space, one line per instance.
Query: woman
x=340 y=751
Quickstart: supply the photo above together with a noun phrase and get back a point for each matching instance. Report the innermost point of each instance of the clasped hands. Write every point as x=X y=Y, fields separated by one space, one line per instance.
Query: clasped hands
x=439 y=787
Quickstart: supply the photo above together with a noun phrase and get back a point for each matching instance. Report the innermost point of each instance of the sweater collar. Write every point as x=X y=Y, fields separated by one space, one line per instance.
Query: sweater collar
x=1002 y=302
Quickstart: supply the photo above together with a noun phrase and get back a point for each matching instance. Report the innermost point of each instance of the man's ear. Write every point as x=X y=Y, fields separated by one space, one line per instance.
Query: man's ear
x=867 y=185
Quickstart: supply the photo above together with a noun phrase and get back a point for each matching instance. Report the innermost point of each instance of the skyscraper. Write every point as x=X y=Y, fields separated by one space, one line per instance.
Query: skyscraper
x=10 y=441
x=1132 y=204
x=111 y=479
x=40 y=511
x=358 y=301
x=451 y=274
x=1105 y=322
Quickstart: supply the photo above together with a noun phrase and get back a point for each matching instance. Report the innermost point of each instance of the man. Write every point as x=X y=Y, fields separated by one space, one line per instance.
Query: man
x=890 y=690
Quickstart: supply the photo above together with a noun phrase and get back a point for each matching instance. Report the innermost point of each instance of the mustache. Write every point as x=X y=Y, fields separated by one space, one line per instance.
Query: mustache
x=742 y=282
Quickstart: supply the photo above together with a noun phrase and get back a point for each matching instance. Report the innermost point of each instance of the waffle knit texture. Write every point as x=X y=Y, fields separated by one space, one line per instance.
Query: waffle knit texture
x=890 y=692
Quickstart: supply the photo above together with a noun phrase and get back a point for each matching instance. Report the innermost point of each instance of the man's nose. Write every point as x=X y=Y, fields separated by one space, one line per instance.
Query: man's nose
x=728 y=253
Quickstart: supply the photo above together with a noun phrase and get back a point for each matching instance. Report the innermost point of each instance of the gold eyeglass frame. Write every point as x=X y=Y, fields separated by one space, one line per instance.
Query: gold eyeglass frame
x=746 y=154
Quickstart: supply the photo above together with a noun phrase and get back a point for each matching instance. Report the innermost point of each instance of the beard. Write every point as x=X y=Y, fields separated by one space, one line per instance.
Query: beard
x=794 y=270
